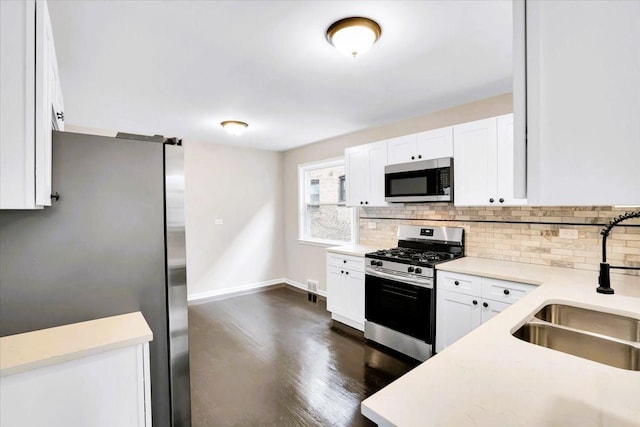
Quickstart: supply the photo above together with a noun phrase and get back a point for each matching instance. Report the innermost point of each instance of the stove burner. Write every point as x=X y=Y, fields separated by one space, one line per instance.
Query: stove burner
x=416 y=255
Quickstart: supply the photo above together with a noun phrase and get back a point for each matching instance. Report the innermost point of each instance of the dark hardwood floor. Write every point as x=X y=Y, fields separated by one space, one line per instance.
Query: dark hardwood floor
x=274 y=359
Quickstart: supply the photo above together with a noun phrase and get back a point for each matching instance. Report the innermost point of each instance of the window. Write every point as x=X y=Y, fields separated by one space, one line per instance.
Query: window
x=323 y=216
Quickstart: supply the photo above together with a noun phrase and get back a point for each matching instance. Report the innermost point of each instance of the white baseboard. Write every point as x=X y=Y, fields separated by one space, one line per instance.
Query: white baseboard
x=304 y=287
x=219 y=294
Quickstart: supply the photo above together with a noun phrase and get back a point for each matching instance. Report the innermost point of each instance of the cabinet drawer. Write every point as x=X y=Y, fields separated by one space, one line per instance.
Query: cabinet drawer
x=503 y=290
x=457 y=282
x=346 y=261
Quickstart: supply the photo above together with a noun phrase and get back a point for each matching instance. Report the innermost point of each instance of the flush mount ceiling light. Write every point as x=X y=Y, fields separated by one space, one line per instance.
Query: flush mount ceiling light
x=234 y=127
x=353 y=36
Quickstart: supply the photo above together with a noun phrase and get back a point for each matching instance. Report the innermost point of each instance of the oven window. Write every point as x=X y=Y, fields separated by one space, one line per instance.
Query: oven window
x=399 y=306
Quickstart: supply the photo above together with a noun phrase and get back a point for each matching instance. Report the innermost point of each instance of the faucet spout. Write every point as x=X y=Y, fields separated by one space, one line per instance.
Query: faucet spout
x=604 y=279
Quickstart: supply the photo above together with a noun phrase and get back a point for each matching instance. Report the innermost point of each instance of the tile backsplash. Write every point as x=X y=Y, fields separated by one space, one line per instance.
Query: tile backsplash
x=522 y=234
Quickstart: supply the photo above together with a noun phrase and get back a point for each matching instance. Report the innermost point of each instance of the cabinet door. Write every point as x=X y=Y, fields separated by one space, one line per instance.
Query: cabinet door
x=336 y=290
x=17 y=104
x=490 y=308
x=436 y=143
x=45 y=58
x=506 y=163
x=355 y=297
x=377 y=160
x=456 y=315
x=583 y=103
x=402 y=149
x=356 y=175
x=475 y=174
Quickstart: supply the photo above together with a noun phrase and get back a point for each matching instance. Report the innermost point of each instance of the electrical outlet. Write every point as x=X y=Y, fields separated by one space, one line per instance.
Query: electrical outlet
x=312 y=285
x=567 y=233
x=218 y=222
x=372 y=225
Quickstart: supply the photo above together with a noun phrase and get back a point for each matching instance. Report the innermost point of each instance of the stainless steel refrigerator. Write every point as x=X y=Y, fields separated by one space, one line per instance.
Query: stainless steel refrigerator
x=113 y=243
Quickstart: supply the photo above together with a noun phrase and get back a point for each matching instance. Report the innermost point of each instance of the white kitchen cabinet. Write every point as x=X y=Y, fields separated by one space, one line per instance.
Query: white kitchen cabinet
x=364 y=167
x=464 y=302
x=345 y=289
x=92 y=373
x=336 y=290
x=32 y=104
x=402 y=149
x=456 y=315
x=583 y=102
x=484 y=163
x=432 y=144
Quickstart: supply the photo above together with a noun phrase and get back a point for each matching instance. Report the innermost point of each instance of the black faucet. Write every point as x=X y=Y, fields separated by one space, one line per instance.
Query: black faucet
x=604 y=280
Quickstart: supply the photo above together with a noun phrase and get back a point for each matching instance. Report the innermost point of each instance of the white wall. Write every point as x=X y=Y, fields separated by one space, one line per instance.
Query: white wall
x=303 y=261
x=243 y=187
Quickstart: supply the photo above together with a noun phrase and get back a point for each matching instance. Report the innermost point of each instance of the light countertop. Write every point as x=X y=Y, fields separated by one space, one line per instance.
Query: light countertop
x=354 y=250
x=30 y=350
x=490 y=378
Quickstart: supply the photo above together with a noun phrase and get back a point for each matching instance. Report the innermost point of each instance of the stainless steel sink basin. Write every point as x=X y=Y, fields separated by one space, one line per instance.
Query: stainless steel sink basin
x=612 y=325
x=598 y=349
x=594 y=335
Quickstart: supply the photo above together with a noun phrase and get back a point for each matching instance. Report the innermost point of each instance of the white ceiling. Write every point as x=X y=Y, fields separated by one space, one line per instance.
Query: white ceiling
x=179 y=68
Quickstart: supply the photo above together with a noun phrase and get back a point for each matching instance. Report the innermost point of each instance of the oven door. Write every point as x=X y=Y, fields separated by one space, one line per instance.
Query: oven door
x=401 y=306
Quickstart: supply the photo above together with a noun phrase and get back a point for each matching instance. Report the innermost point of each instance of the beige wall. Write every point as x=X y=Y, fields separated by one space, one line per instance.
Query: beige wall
x=303 y=261
x=243 y=188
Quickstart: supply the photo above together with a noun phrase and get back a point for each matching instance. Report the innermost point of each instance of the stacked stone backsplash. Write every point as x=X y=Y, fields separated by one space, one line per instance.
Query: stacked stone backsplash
x=522 y=234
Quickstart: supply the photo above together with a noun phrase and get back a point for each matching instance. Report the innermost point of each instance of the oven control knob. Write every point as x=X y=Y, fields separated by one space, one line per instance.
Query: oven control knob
x=410 y=269
x=379 y=263
x=418 y=270
x=374 y=263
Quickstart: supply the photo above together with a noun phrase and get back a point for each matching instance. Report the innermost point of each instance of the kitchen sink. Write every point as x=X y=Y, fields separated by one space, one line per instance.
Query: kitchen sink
x=601 y=337
x=598 y=349
x=612 y=325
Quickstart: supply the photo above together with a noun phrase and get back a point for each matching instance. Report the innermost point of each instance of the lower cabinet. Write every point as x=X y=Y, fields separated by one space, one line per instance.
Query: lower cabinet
x=110 y=388
x=345 y=289
x=464 y=302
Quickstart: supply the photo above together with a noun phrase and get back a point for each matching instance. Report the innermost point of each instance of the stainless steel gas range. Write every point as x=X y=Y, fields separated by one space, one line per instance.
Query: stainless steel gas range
x=400 y=288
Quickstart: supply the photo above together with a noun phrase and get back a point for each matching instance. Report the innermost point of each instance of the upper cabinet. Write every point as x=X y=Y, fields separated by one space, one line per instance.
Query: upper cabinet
x=484 y=163
x=32 y=104
x=365 y=174
x=431 y=144
x=583 y=102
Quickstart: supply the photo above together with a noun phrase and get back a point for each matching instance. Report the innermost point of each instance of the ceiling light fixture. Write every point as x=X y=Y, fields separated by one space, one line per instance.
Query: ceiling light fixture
x=353 y=36
x=234 y=127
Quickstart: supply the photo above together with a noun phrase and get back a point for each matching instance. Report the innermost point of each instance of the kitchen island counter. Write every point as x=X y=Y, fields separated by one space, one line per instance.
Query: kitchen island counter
x=490 y=378
x=37 y=349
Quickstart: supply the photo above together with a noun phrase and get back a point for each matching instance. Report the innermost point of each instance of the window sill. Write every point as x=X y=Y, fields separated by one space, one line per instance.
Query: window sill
x=323 y=243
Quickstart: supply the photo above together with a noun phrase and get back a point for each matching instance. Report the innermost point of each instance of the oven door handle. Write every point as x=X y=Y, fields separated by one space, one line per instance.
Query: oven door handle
x=401 y=279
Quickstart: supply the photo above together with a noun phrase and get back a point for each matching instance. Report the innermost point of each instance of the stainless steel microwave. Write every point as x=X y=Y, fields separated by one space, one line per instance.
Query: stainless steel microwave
x=421 y=181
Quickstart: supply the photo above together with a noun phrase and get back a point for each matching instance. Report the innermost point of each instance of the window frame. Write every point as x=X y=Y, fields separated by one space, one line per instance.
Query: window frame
x=303 y=197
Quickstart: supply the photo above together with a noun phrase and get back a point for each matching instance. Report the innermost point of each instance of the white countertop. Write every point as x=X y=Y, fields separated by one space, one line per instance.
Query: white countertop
x=490 y=378
x=354 y=250
x=30 y=350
